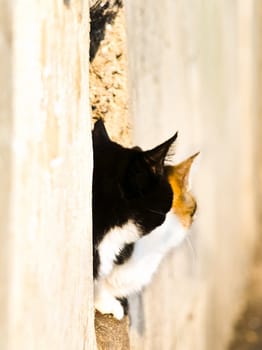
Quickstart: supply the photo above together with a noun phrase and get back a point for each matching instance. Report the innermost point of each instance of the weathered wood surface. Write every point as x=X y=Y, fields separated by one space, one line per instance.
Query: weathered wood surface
x=191 y=69
x=46 y=165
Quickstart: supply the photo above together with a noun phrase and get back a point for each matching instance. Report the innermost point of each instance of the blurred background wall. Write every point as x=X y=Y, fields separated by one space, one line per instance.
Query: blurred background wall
x=193 y=68
x=46 y=283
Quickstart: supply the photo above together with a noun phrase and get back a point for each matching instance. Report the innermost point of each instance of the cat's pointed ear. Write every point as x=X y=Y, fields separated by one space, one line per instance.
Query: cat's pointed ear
x=156 y=156
x=182 y=169
x=99 y=132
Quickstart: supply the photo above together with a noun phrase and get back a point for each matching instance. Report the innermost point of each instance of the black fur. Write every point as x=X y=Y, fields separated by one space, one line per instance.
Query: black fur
x=125 y=305
x=101 y=13
x=128 y=184
x=124 y=254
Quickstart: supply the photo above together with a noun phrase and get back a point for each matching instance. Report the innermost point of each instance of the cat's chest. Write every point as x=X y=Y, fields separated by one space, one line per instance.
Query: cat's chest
x=166 y=236
x=113 y=242
x=171 y=232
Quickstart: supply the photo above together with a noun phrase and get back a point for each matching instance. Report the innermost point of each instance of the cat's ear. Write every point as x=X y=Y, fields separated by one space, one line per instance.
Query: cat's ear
x=99 y=132
x=156 y=156
x=182 y=170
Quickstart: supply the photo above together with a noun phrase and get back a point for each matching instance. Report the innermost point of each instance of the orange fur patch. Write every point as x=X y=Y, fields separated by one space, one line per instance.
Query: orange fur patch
x=184 y=204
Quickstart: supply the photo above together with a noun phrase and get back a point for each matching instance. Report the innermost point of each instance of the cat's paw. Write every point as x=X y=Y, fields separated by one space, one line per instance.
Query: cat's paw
x=110 y=306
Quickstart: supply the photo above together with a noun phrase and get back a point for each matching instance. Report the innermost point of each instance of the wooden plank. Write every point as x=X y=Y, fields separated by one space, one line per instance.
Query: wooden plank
x=50 y=291
x=5 y=162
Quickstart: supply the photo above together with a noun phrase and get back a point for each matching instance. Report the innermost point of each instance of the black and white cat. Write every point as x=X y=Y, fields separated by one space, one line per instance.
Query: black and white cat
x=131 y=197
x=129 y=276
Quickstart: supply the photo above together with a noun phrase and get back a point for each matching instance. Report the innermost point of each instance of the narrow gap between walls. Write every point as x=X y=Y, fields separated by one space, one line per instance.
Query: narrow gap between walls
x=109 y=101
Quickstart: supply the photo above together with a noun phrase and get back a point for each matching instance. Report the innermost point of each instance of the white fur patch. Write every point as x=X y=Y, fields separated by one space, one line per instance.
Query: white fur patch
x=113 y=242
x=106 y=303
x=148 y=253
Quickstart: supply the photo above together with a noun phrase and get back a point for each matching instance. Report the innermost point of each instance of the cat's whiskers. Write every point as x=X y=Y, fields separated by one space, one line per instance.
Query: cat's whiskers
x=192 y=250
x=156 y=211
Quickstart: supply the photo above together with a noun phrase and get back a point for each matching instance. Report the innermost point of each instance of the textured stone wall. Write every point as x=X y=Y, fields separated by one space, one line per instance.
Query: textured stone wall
x=46 y=165
x=192 y=70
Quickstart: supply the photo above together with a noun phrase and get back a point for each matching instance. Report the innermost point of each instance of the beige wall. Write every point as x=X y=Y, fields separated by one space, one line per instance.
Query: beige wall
x=191 y=70
x=46 y=166
x=5 y=163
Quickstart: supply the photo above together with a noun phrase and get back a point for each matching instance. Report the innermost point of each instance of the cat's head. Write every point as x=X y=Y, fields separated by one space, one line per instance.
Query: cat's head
x=130 y=183
x=184 y=204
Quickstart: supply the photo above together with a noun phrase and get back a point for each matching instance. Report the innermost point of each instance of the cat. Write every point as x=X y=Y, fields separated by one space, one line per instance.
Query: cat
x=131 y=197
x=130 y=276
